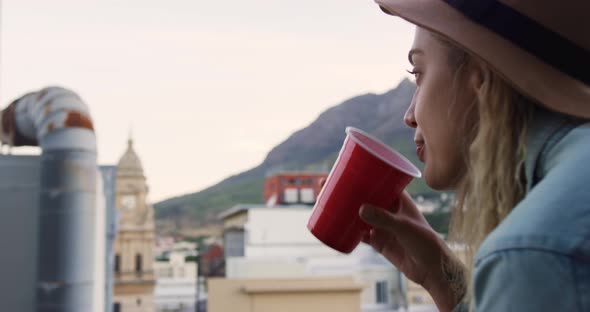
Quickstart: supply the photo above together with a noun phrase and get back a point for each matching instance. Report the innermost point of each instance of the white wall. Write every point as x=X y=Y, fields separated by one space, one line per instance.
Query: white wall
x=175 y=294
x=281 y=232
x=264 y=268
x=279 y=225
x=175 y=268
x=176 y=282
x=279 y=245
x=370 y=277
x=366 y=266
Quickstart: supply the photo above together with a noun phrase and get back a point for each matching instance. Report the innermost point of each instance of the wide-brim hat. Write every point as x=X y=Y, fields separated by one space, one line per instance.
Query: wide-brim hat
x=541 y=47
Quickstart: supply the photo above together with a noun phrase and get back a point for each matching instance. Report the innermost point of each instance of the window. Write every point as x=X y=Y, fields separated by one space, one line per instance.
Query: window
x=138 y=263
x=307 y=196
x=233 y=243
x=116 y=307
x=117 y=263
x=291 y=195
x=381 y=291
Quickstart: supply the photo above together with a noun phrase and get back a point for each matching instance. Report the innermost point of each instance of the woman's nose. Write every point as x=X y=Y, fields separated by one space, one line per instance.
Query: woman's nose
x=409 y=118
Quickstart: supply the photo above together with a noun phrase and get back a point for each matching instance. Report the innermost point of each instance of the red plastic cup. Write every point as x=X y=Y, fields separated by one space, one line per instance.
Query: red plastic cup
x=366 y=172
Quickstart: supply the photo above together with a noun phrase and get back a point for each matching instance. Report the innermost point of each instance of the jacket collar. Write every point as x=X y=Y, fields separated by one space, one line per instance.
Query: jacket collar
x=547 y=128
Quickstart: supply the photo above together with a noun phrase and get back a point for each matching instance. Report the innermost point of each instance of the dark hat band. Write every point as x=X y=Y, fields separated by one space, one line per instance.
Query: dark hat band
x=529 y=35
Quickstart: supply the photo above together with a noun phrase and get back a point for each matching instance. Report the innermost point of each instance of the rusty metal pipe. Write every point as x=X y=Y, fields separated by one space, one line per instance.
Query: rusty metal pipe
x=58 y=121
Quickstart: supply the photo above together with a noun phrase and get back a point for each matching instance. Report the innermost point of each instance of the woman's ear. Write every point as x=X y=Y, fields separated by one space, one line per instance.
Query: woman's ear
x=476 y=75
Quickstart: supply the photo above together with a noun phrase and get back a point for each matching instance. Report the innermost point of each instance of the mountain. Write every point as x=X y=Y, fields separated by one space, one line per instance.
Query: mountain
x=314 y=147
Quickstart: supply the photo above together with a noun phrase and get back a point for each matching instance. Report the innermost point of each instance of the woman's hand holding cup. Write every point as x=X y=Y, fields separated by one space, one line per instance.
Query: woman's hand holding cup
x=404 y=237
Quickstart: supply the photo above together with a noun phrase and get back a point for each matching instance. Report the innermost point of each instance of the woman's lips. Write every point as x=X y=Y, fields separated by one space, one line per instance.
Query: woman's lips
x=420 y=151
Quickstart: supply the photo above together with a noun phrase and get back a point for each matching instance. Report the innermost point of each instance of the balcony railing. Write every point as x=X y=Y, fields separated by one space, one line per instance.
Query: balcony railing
x=134 y=276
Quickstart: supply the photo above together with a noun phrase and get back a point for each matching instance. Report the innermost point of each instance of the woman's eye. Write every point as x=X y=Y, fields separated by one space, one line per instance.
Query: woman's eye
x=415 y=73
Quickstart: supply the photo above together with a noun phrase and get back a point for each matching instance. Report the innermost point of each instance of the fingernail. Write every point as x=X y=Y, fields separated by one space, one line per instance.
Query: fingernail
x=362 y=211
x=365 y=212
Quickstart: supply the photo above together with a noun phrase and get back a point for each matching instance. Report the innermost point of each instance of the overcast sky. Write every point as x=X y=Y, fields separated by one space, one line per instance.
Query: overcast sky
x=207 y=87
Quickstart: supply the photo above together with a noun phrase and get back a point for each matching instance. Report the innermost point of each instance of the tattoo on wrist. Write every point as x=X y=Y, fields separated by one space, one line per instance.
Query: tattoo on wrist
x=454 y=274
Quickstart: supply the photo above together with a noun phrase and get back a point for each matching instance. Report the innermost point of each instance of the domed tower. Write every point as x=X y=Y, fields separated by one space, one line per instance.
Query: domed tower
x=134 y=276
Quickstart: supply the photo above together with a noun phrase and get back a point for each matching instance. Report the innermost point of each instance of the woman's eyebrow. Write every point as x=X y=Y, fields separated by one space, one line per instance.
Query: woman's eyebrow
x=411 y=54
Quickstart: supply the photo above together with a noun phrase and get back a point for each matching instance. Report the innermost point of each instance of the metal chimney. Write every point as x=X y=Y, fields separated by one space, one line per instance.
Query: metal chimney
x=59 y=122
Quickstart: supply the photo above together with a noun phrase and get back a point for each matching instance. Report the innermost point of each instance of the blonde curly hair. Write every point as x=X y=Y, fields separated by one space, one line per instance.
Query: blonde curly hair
x=494 y=153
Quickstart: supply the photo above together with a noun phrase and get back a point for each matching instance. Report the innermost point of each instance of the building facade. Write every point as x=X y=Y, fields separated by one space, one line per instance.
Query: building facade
x=292 y=188
x=134 y=259
x=273 y=244
x=175 y=267
x=286 y=295
x=176 y=282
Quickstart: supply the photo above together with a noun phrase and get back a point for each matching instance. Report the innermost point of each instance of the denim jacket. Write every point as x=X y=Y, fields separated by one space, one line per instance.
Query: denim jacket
x=538 y=257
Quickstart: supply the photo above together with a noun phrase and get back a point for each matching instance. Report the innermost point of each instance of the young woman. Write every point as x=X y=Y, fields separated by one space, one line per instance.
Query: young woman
x=500 y=114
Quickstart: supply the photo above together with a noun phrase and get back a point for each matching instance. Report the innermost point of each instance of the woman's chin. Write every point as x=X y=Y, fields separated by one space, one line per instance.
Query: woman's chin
x=437 y=182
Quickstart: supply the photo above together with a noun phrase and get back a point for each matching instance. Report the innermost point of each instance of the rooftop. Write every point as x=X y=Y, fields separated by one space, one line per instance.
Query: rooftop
x=245 y=207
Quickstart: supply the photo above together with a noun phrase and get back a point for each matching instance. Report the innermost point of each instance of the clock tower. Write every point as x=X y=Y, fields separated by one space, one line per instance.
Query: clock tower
x=133 y=263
